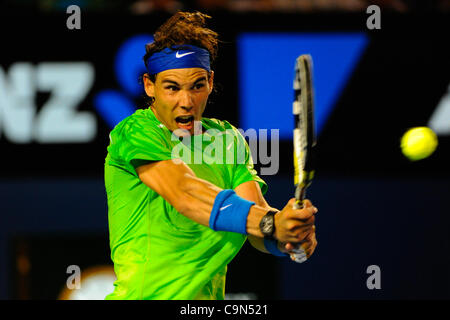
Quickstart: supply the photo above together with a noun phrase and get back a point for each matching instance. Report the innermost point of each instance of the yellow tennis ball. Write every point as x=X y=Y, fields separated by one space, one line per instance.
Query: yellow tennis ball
x=418 y=143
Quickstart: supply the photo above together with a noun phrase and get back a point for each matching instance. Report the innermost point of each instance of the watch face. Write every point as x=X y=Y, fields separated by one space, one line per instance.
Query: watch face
x=267 y=225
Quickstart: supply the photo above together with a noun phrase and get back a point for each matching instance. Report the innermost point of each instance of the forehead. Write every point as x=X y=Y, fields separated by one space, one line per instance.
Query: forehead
x=182 y=75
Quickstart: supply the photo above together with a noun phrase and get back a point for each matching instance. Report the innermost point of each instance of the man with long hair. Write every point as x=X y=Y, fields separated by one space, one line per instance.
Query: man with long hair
x=175 y=223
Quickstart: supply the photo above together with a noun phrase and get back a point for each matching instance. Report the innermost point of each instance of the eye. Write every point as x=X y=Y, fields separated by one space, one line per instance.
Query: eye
x=172 y=88
x=199 y=86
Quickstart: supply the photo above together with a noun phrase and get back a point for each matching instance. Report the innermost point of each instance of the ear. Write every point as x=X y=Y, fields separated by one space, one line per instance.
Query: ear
x=149 y=86
x=211 y=81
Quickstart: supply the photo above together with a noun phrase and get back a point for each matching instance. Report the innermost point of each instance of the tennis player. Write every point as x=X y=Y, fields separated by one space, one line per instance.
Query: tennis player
x=175 y=225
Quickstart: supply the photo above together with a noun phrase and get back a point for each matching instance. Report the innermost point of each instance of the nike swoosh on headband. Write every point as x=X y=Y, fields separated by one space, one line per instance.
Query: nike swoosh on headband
x=178 y=55
x=171 y=58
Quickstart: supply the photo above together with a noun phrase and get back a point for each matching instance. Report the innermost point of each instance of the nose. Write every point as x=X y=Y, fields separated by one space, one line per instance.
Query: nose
x=186 y=102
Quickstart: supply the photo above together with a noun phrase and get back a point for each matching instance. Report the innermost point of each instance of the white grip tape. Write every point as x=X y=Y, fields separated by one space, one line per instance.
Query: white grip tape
x=298 y=255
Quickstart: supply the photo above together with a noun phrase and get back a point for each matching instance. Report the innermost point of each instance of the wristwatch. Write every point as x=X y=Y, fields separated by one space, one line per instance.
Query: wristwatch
x=267 y=224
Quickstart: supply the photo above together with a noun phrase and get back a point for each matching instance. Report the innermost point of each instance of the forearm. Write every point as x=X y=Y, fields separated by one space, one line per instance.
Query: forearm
x=195 y=198
x=251 y=191
x=257 y=243
x=200 y=196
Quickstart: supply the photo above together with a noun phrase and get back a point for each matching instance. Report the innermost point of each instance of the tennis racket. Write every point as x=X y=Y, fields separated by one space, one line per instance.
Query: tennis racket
x=304 y=135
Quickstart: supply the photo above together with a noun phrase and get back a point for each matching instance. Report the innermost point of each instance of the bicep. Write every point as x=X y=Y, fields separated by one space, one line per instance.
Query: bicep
x=181 y=188
x=166 y=178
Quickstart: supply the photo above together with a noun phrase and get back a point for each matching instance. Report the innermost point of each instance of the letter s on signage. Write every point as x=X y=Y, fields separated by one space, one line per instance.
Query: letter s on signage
x=58 y=120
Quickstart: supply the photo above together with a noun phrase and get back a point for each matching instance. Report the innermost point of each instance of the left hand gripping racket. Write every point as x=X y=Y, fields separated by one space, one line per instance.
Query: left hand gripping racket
x=304 y=136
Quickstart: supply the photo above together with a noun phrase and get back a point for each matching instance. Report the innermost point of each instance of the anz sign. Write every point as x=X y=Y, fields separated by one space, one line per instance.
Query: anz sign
x=58 y=120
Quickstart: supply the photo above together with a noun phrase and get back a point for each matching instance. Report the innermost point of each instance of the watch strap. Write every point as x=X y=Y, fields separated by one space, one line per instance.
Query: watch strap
x=271 y=245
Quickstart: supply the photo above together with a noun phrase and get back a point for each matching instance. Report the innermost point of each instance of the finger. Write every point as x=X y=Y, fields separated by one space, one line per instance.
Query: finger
x=304 y=203
x=297 y=223
x=302 y=233
x=298 y=231
x=291 y=203
x=290 y=237
x=296 y=247
x=312 y=234
x=289 y=246
x=307 y=245
x=307 y=203
x=310 y=250
x=310 y=247
x=303 y=214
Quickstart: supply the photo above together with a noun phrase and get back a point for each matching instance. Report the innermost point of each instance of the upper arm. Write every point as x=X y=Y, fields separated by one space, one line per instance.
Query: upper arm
x=179 y=186
x=166 y=178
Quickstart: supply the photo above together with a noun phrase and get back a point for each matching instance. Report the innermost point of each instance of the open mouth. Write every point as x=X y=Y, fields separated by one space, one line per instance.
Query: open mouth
x=185 y=122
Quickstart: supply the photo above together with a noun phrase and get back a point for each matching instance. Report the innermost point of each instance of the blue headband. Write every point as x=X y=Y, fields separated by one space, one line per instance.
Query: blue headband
x=178 y=57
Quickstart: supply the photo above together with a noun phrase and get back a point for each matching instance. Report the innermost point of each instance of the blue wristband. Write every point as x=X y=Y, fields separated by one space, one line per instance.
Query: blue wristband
x=272 y=246
x=230 y=212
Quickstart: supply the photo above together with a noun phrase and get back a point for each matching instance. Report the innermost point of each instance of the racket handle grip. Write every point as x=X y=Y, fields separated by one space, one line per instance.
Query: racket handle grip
x=298 y=254
x=298 y=204
x=300 y=194
x=298 y=257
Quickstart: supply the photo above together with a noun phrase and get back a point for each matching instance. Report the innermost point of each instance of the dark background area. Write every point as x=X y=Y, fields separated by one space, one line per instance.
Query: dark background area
x=375 y=206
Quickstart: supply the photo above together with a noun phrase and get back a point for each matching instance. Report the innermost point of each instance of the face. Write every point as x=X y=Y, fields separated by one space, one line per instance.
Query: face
x=180 y=97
